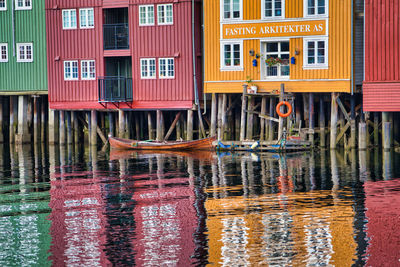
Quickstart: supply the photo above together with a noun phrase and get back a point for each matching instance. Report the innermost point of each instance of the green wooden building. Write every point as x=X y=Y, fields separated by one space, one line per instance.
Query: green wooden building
x=23 y=66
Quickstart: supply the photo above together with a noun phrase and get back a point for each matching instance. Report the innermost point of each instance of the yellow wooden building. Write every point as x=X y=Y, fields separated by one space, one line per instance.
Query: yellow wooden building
x=307 y=44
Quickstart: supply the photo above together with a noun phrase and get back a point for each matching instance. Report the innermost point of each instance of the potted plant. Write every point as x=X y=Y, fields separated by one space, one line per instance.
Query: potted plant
x=252 y=88
x=273 y=61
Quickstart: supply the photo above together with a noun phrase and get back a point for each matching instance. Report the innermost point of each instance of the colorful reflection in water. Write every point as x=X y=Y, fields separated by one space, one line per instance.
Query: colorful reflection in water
x=69 y=207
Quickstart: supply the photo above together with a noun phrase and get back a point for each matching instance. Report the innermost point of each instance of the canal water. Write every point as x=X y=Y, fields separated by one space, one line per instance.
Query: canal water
x=79 y=207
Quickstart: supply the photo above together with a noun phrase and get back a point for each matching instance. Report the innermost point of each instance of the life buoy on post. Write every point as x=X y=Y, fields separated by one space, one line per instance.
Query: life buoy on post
x=278 y=109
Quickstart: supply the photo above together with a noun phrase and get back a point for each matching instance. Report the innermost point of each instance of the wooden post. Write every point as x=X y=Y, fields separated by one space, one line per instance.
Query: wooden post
x=160 y=122
x=262 y=123
x=334 y=120
x=150 y=125
x=43 y=119
x=75 y=127
x=243 y=114
x=387 y=135
x=36 y=114
x=23 y=136
x=230 y=121
x=281 y=95
x=54 y=136
x=362 y=136
x=137 y=125
x=306 y=111
x=69 y=128
x=219 y=117
x=121 y=124
x=237 y=124
x=376 y=128
x=179 y=129
x=93 y=126
x=178 y=115
x=311 y=118
x=250 y=118
x=385 y=118
x=224 y=118
x=111 y=123
x=62 y=127
x=353 y=130
x=13 y=118
x=322 y=122
x=271 y=114
x=1 y=121
x=190 y=124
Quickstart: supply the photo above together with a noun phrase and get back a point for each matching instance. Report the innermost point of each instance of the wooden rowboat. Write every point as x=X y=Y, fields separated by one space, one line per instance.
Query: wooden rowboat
x=201 y=144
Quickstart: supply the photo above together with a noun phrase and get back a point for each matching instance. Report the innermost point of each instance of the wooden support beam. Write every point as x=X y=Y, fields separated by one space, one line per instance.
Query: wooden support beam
x=93 y=125
x=98 y=130
x=311 y=118
x=189 y=125
x=334 y=120
x=62 y=127
x=322 y=122
x=362 y=136
x=23 y=136
x=376 y=128
x=266 y=117
x=342 y=132
x=150 y=125
x=159 y=126
x=36 y=122
x=343 y=109
x=271 y=115
x=250 y=118
x=219 y=117
x=387 y=135
x=262 y=123
x=243 y=114
x=280 y=126
x=213 y=127
x=224 y=117
x=69 y=128
x=121 y=124
x=178 y=115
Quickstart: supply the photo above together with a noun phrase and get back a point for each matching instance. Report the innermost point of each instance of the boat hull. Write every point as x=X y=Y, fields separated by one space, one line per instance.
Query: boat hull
x=202 y=144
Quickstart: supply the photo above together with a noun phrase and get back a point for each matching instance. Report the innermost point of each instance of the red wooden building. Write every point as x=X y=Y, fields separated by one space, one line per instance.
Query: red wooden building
x=126 y=54
x=381 y=89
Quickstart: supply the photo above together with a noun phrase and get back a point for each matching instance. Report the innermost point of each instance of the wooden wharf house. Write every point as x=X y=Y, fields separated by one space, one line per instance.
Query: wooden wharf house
x=23 y=71
x=116 y=64
x=318 y=72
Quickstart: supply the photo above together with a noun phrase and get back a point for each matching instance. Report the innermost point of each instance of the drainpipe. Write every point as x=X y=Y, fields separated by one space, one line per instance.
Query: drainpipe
x=13 y=25
x=352 y=48
x=196 y=89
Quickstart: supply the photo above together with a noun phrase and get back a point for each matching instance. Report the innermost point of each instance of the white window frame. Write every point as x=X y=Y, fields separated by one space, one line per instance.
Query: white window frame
x=24 y=7
x=231 y=11
x=86 y=10
x=147 y=23
x=69 y=11
x=147 y=60
x=88 y=69
x=273 y=17
x=77 y=65
x=1 y=48
x=305 y=56
x=25 y=45
x=5 y=6
x=167 y=76
x=279 y=77
x=305 y=10
x=165 y=14
x=222 y=56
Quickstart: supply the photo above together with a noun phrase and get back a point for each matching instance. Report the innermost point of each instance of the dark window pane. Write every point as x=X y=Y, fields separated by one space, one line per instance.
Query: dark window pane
x=284 y=46
x=272 y=47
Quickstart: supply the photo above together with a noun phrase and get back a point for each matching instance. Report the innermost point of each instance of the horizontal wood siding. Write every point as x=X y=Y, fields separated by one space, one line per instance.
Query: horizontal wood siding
x=382 y=55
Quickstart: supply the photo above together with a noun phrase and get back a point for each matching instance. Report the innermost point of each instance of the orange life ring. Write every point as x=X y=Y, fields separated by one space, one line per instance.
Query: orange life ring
x=278 y=109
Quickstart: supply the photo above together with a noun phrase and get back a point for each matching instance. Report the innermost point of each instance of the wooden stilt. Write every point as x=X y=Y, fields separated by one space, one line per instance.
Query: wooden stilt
x=376 y=128
x=137 y=125
x=23 y=136
x=270 y=122
x=281 y=95
x=121 y=124
x=243 y=114
x=69 y=128
x=184 y=127
x=385 y=119
x=43 y=119
x=231 y=123
x=262 y=123
x=36 y=114
x=237 y=124
x=224 y=117
x=322 y=122
x=75 y=127
x=13 y=118
x=54 y=117
x=362 y=136
x=93 y=126
x=250 y=118
x=219 y=117
x=353 y=130
x=62 y=127
x=306 y=111
x=311 y=118
x=160 y=122
x=334 y=120
x=189 y=125
x=387 y=135
x=179 y=129
x=171 y=129
x=391 y=119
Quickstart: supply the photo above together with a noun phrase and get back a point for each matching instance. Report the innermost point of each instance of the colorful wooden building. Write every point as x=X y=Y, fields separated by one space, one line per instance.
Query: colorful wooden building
x=23 y=65
x=123 y=55
x=302 y=46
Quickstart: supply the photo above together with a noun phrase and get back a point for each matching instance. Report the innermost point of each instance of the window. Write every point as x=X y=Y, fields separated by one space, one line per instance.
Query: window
x=146 y=15
x=71 y=70
x=166 y=68
x=231 y=56
x=88 y=69
x=165 y=14
x=86 y=18
x=231 y=9
x=273 y=8
x=315 y=53
x=3 y=5
x=3 y=52
x=278 y=53
x=315 y=7
x=148 y=68
x=23 y=4
x=25 y=52
x=69 y=19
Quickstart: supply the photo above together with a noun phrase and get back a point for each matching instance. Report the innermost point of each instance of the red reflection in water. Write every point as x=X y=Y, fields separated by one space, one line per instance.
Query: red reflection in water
x=383 y=214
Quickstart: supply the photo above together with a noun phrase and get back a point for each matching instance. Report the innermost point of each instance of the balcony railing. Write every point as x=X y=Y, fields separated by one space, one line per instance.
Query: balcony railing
x=116 y=36
x=115 y=89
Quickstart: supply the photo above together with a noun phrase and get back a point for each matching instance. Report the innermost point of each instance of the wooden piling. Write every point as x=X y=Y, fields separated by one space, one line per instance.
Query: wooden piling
x=75 y=127
x=93 y=126
x=159 y=125
x=387 y=135
x=362 y=136
x=23 y=136
x=263 y=112
x=385 y=118
x=121 y=124
x=353 y=130
x=280 y=126
x=376 y=128
x=13 y=118
x=44 y=119
x=179 y=129
x=270 y=122
x=219 y=117
x=137 y=125
x=224 y=127
x=334 y=120
x=243 y=114
x=69 y=127
x=322 y=122
x=54 y=126
x=189 y=125
x=150 y=125
x=311 y=118
x=250 y=118
x=230 y=130
x=178 y=115
x=36 y=120
x=62 y=128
